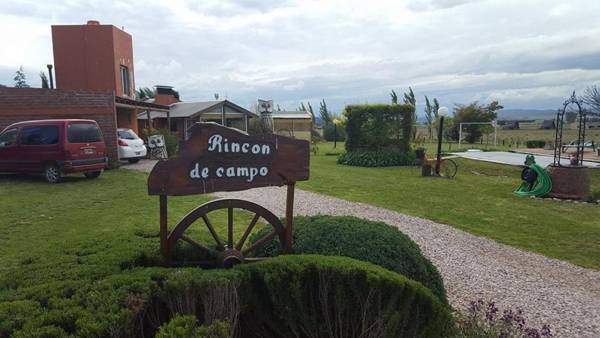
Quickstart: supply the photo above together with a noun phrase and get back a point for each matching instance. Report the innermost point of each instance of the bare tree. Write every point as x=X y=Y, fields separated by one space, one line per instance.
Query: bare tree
x=592 y=98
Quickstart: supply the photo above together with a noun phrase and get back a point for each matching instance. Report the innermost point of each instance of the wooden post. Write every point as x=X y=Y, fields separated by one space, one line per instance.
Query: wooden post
x=289 y=219
x=164 y=230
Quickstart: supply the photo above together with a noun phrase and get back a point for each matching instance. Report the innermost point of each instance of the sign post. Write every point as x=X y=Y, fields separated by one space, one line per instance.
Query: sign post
x=217 y=158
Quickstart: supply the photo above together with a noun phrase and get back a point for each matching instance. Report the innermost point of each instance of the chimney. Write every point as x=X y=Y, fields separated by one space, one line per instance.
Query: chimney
x=166 y=95
x=93 y=22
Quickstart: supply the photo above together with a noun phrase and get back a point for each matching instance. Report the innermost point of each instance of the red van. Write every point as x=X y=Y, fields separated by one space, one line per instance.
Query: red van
x=54 y=148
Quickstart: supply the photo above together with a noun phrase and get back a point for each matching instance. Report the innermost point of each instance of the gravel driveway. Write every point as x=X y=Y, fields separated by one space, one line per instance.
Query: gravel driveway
x=565 y=296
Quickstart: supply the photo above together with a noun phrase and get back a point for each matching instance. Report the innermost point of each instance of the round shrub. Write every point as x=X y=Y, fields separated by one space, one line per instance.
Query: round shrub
x=362 y=158
x=373 y=242
x=324 y=296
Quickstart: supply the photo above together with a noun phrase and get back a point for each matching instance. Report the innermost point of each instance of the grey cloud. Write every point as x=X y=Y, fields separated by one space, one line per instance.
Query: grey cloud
x=525 y=53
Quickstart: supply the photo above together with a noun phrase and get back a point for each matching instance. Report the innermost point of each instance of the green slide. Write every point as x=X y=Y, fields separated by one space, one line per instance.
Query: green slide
x=536 y=182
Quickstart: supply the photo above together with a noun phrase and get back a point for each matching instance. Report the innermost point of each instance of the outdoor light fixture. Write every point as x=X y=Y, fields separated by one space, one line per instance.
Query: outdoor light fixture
x=442 y=112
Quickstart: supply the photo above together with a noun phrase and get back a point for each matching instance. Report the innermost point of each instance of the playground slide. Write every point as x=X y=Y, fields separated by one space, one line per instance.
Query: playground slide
x=541 y=186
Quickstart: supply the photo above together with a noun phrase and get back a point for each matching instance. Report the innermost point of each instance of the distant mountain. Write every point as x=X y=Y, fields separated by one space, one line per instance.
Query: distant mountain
x=526 y=114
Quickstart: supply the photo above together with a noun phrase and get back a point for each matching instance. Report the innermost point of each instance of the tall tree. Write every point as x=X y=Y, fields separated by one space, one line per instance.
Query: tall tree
x=474 y=112
x=20 y=80
x=429 y=116
x=394 y=97
x=592 y=98
x=436 y=107
x=324 y=112
x=44 y=80
x=302 y=107
x=145 y=93
x=409 y=98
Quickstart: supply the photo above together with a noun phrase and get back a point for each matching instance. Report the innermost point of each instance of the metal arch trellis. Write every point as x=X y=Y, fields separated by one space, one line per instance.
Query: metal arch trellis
x=558 y=138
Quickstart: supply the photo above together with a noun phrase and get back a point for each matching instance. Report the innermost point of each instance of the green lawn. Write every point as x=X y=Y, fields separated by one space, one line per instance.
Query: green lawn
x=479 y=200
x=81 y=230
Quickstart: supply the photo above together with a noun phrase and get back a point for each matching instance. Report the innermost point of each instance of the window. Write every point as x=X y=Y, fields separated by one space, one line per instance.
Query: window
x=83 y=133
x=39 y=135
x=127 y=134
x=8 y=138
x=125 y=83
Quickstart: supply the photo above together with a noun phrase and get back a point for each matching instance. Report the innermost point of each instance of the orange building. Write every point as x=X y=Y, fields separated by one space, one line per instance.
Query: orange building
x=93 y=63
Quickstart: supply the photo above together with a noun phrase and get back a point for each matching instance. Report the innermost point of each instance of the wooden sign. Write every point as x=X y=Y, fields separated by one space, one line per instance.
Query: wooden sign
x=217 y=158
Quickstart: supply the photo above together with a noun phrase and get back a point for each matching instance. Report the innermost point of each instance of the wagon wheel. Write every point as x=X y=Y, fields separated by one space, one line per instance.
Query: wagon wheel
x=228 y=253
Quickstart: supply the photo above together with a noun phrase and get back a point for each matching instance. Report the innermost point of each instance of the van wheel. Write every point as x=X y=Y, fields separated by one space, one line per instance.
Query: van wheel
x=52 y=173
x=93 y=174
x=133 y=160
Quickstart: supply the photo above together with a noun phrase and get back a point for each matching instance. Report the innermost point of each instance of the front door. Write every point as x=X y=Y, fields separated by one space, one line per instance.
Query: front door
x=8 y=146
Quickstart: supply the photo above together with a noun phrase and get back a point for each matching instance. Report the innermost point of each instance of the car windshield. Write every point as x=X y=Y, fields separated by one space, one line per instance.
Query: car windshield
x=83 y=133
x=127 y=134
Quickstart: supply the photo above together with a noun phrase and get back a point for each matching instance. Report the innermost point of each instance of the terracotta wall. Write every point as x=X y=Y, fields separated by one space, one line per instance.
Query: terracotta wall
x=89 y=57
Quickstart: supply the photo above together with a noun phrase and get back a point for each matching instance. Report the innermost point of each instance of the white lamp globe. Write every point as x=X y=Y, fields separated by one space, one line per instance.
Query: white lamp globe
x=442 y=111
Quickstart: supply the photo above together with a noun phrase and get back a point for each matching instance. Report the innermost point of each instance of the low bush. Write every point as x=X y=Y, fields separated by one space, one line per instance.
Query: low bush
x=373 y=242
x=383 y=158
x=535 y=143
x=319 y=296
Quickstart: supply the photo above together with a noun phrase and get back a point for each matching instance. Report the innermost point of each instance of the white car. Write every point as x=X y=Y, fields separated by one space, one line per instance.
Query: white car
x=131 y=147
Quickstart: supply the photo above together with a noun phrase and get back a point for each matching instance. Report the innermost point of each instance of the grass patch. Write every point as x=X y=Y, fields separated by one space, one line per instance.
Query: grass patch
x=479 y=200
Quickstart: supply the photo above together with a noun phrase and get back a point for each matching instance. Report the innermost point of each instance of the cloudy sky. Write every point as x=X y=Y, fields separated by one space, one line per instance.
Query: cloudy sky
x=524 y=53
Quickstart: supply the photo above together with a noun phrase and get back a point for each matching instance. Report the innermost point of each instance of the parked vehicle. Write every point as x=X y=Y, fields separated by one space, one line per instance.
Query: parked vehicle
x=131 y=147
x=54 y=148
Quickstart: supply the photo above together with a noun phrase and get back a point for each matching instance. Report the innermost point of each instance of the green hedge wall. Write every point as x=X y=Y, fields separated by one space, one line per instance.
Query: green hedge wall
x=383 y=158
x=373 y=242
x=379 y=126
x=319 y=296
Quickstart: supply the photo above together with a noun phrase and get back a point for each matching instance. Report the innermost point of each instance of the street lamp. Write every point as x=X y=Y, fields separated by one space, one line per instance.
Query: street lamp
x=442 y=112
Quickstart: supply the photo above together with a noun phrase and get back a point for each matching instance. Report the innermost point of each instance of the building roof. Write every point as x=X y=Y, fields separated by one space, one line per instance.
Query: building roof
x=291 y=115
x=189 y=109
x=125 y=102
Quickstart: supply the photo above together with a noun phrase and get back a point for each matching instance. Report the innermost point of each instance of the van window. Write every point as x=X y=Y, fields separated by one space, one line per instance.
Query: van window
x=8 y=138
x=83 y=133
x=39 y=135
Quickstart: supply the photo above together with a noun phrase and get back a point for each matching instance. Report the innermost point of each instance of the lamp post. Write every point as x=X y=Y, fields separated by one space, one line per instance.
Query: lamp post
x=442 y=112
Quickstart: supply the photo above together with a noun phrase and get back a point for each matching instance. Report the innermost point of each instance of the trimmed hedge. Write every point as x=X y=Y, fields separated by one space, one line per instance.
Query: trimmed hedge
x=373 y=242
x=280 y=297
x=361 y=158
x=379 y=126
x=535 y=143
x=319 y=296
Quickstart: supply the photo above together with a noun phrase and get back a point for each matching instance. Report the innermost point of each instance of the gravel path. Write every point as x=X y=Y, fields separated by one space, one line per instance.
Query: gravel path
x=549 y=291
x=565 y=296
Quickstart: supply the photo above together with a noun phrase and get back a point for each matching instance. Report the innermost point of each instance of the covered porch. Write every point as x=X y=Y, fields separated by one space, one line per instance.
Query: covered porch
x=182 y=115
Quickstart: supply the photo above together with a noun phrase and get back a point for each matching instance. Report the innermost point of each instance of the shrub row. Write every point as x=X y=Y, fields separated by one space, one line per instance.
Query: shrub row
x=361 y=158
x=373 y=242
x=285 y=296
x=535 y=144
